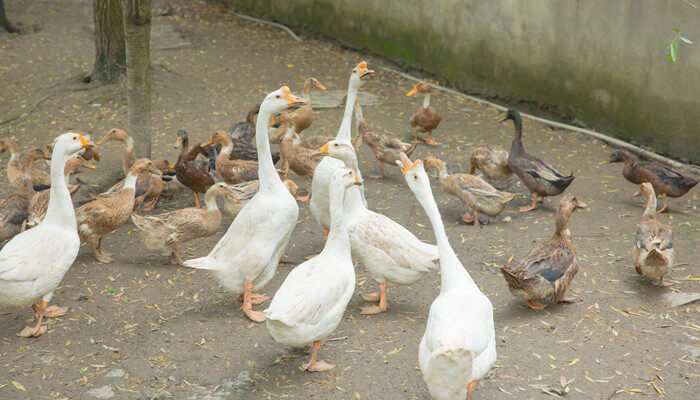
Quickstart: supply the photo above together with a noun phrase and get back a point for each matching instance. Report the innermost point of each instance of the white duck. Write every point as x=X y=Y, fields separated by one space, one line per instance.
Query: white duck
x=310 y=303
x=33 y=263
x=325 y=169
x=246 y=256
x=389 y=251
x=459 y=343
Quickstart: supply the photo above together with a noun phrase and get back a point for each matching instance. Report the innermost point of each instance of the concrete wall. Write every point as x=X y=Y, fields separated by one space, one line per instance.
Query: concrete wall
x=594 y=60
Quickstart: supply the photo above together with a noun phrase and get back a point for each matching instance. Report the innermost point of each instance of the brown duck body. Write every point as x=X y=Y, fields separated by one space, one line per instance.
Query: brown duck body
x=654 y=253
x=193 y=175
x=492 y=161
x=232 y=171
x=13 y=211
x=20 y=167
x=664 y=180
x=386 y=146
x=426 y=119
x=301 y=160
x=303 y=116
x=245 y=130
x=549 y=268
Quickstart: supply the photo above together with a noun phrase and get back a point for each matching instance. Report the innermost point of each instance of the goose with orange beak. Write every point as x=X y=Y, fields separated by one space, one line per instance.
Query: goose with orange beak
x=34 y=262
x=246 y=257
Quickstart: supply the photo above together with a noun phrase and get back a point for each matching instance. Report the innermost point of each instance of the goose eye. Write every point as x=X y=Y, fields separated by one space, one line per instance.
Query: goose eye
x=335 y=145
x=277 y=96
x=415 y=177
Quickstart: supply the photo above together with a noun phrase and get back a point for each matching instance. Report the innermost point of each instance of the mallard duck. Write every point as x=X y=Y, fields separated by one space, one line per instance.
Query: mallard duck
x=389 y=251
x=665 y=181
x=476 y=193
x=20 y=167
x=231 y=171
x=459 y=344
x=540 y=178
x=34 y=262
x=246 y=257
x=245 y=130
x=387 y=148
x=547 y=271
x=654 y=254
x=165 y=232
x=194 y=176
x=301 y=160
x=426 y=118
x=104 y=215
x=324 y=171
x=121 y=136
x=245 y=191
x=492 y=161
x=312 y=299
x=39 y=203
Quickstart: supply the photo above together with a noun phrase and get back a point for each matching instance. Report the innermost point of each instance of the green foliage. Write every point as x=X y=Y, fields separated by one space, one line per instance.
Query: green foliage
x=671 y=47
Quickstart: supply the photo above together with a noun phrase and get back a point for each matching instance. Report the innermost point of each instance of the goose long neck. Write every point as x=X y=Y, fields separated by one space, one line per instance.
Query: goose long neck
x=60 y=209
x=266 y=168
x=452 y=273
x=346 y=126
x=338 y=239
x=426 y=100
x=356 y=195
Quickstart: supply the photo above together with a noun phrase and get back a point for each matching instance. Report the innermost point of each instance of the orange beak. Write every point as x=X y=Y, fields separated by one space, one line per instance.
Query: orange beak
x=358 y=182
x=292 y=100
x=406 y=165
x=413 y=91
x=88 y=166
x=208 y=142
x=323 y=149
x=363 y=71
x=84 y=142
x=318 y=85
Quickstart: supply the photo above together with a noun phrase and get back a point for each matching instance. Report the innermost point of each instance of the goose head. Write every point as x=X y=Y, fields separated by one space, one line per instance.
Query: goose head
x=341 y=151
x=279 y=100
x=415 y=176
x=346 y=177
x=70 y=144
x=360 y=75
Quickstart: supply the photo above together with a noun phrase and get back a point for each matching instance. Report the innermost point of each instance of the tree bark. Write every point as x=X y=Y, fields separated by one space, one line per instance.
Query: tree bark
x=110 y=48
x=4 y=23
x=137 y=27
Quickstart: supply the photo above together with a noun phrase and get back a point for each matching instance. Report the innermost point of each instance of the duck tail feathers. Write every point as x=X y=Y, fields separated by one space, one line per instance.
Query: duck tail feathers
x=564 y=182
x=506 y=197
x=656 y=258
x=510 y=277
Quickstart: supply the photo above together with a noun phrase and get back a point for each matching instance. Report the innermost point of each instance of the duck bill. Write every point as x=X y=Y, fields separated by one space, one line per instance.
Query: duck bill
x=155 y=173
x=582 y=205
x=318 y=85
x=208 y=142
x=637 y=193
x=323 y=149
x=88 y=165
x=412 y=92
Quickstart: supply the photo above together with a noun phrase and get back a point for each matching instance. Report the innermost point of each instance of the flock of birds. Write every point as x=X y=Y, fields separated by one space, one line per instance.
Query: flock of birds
x=238 y=167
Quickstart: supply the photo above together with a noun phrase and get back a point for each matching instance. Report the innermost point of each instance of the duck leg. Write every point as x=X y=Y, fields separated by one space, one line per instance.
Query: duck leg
x=661 y=283
x=471 y=218
x=416 y=139
x=37 y=331
x=470 y=389
x=175 y=258
x=100 y=255
x=315 y=365
x=151 y=204
x=532 y=206
x=430 y=141
x=381 y=175
x=664 y=208
x=255 y=316
x=196 y=199
x=42 y=311
x=382 y=302
x=535 y=306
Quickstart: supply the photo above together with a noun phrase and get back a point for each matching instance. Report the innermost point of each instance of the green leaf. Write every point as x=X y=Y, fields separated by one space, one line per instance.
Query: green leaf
x=685 y=39
x=689 y=3
x=110 y=289
x=676 y=30
x=673 y=51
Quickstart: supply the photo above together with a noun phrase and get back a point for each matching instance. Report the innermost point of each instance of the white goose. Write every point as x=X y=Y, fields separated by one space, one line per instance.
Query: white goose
x=459 y=343
x=325 y=169
x=246 y=256
x=33 y=263
x=310 y=303
x=389 y=251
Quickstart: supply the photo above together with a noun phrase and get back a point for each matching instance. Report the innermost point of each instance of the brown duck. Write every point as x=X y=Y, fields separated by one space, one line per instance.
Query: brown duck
x=426 y=118
x=231 y=171
x=654 y=254
x=387 y=148
x=245 y=130
x=303 y=116
x=165 y=232
x=301 y=160
x=40 y=201
x=665 y=181
x=476 y=193
x=193 y=175
x=121 y=136
x=540 y=178
x=14 y=205
x=492 y=161
x=547 y=271
x=20 y=165
x=104 y=215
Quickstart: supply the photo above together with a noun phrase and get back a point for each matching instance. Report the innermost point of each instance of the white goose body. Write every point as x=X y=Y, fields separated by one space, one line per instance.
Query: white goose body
x=459 y=343
x=251 y=248
x=319 y=202
x=310 y=303
x=34 y=262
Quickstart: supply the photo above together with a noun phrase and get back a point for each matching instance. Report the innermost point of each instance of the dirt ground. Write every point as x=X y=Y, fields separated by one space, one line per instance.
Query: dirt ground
x=141 y=328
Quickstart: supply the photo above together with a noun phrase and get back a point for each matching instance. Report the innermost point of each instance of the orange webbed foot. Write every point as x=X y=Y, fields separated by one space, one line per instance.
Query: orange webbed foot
x=535 y=306
x=55 y=311
x=526 y=209
x=36 y=331
x=371 y=297
x=372 y=310
x=255 y=316
x=318 y=366
x=566 y=300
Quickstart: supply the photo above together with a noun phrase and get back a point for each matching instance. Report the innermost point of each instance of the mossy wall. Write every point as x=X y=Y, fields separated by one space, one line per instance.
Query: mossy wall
x=594 y=60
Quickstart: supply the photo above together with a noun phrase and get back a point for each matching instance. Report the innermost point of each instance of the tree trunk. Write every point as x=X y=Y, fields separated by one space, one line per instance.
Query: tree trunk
x=4 y=23
x=110 y=51
x=137 y=27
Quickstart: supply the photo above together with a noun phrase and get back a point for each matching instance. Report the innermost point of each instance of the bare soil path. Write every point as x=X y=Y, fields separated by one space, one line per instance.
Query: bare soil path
x=140 y=328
